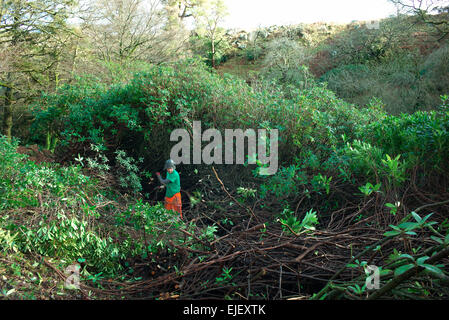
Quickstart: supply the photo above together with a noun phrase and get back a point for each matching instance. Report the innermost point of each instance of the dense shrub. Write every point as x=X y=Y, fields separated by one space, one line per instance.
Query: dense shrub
x=253 y=52
x=422 y=138
x=139 y=116
x=435 y=70
x=62 y=230
x=285 y=62
x=398 y=82
x=62 y=213
x=383 y=149
x=320 y=134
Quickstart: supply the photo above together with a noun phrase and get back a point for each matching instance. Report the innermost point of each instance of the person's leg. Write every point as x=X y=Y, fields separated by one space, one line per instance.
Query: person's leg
x=174 y=203
x=179 y=203
x=168 y=204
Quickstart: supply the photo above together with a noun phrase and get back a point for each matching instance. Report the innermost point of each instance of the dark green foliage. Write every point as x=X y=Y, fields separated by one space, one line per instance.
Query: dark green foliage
x=324 y=135
x=402 y=82
x=421 y=138
x=385 y=150
x=138 y=117
x=62 y=230
x=201 y=46
x=253 y=52
x=59 y=212
x=327 y=147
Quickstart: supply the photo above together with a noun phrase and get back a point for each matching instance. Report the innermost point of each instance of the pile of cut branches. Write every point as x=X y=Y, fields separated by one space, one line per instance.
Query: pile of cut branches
x=260 y=257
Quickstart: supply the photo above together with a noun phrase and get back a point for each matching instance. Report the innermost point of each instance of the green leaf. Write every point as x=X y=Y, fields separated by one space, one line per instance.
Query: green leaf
x=407 y=256
x=417 y=217
x=408 y=225
x=420 y=261
x=10 y=292
x=440 y=241
x=383 y=272
x=433 y=269
x=403 y=269
x=427 y=217
x=392 y=233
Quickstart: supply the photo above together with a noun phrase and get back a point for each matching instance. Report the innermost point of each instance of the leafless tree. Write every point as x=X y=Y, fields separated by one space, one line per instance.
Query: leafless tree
x=431 y=12
x=129 y=30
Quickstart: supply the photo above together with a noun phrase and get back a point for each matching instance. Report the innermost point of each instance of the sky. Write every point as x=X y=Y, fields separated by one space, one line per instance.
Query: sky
x=250 y=14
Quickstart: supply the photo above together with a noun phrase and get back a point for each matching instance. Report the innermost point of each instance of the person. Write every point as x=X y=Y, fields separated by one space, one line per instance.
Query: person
x=173 y=187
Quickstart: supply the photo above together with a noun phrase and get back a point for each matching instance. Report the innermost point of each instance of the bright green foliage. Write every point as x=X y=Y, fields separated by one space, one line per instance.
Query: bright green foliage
x=393 y=207
x=69 y=221
x=246 y=192
x=7 y=241
x=160 y=226
x=409 y=228
x=324 y=141
x=62 y=231
x=361 y=158
x=321 y=182
x=225 y=277
x=70 y=238
x=290 y=221
x=422 y=138
x=21 y=181
x=368 y=189
x=419 y=262
x=361 y=148
x=128 y=171
x=286 y=182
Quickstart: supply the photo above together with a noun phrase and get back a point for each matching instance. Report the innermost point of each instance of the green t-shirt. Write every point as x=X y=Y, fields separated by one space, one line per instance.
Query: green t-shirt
x=175 y=184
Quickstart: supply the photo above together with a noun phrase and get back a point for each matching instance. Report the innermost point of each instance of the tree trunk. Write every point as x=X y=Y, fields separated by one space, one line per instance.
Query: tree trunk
x=75 y=55
x=53 y=76
x=213 y=51
x=7 y=114
x=7 y=110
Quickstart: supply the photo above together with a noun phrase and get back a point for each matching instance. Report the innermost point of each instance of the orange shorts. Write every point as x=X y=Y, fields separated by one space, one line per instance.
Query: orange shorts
x=174 y=203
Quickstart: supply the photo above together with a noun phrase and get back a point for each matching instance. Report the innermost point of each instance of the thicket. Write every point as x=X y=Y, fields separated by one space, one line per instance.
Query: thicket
x=318 y=130
x=398 y=61
x=408 y=82
x=94 y=120
x=342 y=168
x=62 y=217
